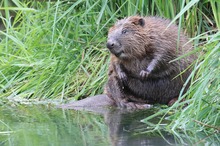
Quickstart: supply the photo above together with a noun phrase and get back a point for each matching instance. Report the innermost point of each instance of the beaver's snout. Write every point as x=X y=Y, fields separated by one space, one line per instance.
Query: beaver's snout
x=112 y=44
x=114 y=47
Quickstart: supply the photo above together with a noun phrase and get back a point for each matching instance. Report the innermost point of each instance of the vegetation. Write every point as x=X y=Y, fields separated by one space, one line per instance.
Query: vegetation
x=56 y=50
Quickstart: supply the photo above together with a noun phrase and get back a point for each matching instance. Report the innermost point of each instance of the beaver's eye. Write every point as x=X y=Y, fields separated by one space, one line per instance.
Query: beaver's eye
x=124 y=31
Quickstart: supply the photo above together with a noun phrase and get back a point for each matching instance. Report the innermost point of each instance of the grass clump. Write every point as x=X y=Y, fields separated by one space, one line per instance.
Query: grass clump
x=51 y=51
x=56 y=50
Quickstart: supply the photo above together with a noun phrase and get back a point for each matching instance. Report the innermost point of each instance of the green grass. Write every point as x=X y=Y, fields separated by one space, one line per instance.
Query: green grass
x=51 y=53
x=56 y=50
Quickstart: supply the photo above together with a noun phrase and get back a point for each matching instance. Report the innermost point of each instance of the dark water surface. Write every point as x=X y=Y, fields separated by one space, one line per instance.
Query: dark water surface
x=48 y=126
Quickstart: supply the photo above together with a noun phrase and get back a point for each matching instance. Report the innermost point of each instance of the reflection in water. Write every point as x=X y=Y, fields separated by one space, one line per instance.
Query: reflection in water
x=41 y=125
x=123 y=127
x=44 y=126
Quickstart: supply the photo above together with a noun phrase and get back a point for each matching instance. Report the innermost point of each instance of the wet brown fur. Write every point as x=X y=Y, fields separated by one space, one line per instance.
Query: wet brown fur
x=141 y=69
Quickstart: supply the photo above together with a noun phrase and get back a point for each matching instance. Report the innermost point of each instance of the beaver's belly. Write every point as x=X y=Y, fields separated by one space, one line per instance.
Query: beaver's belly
x=155 y=90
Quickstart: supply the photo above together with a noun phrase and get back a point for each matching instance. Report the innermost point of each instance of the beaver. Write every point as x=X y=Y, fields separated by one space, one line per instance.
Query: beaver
x=143 y=69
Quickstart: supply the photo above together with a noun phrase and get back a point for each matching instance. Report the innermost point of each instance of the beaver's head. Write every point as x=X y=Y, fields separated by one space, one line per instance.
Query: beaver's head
x=126 y=39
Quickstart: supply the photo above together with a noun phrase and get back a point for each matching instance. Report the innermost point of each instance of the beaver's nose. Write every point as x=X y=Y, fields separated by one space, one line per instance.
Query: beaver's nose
x=110 y=44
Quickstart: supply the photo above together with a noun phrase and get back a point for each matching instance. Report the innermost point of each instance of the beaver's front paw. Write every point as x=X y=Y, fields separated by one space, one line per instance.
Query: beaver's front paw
x=144 y=74
x=123 y=77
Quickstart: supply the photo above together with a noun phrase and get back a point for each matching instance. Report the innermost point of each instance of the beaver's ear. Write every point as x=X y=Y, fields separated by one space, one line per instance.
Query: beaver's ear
x=139 y=21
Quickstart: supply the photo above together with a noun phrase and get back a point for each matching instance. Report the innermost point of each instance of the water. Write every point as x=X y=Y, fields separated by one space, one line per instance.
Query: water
x=48 y=126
